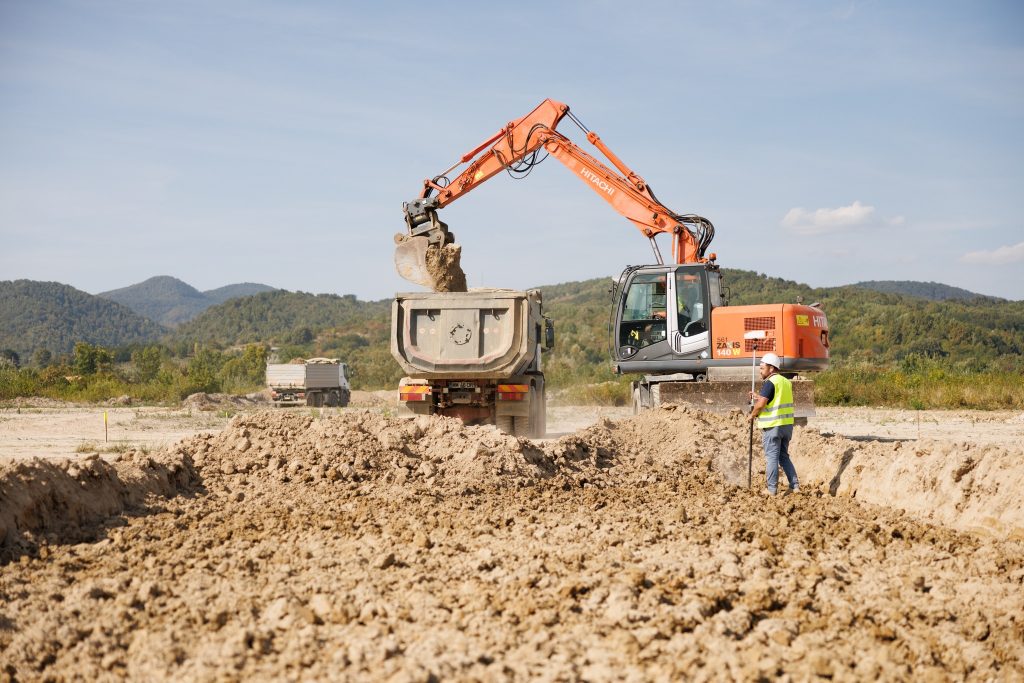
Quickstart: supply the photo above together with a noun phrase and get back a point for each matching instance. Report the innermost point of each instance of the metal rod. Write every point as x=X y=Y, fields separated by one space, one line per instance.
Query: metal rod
x=750 y=448
x=657 y=252
x=753 y=336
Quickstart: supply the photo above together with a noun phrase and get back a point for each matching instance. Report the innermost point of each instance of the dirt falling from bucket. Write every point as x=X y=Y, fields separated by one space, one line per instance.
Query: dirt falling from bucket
x=445 y=268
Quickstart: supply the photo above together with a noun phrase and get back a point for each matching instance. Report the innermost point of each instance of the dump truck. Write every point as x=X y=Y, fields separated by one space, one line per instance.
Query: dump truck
x=474 y=355
x=315 y=382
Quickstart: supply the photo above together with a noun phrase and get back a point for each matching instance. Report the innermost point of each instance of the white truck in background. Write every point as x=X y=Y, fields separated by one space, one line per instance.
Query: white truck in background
x=315 y=382
x=474 y=355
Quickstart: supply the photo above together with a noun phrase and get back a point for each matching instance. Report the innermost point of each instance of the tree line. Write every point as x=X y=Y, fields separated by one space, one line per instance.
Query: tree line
x=885 y=346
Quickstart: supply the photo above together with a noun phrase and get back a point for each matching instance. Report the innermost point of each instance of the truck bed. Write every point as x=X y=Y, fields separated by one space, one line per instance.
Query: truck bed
x=481 y=333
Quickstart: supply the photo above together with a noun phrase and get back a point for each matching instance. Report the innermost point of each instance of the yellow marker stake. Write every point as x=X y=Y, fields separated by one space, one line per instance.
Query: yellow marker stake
x=104 y=426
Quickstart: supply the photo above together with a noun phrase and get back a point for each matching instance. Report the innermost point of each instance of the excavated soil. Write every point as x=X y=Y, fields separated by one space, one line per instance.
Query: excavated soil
x=444 y=266
x=357 y=546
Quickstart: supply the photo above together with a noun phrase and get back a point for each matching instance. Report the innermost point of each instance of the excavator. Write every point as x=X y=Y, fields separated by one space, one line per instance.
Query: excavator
x=670 y=322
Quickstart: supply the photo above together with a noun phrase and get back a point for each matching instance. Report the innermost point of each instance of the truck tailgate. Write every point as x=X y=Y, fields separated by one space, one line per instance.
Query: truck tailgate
x=473 y=334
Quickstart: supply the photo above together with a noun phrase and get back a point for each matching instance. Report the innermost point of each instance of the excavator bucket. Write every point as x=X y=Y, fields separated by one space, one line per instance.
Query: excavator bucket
x=434 y=266
x=723 y=397
x=411 y=259
x=727 y=396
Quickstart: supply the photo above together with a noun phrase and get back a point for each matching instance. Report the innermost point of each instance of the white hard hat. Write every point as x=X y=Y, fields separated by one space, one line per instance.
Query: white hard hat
x=771 y=359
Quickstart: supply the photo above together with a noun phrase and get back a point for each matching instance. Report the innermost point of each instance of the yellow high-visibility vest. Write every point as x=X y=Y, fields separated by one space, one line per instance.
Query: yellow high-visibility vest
x=779 y=410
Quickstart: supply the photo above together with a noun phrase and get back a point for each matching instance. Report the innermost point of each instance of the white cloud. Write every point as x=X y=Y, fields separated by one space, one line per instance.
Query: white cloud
x=896 y=220
x=1011 y=253
x=821 y=221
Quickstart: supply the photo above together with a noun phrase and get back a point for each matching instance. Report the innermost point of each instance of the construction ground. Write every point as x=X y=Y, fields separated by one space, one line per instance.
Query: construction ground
x=228 y=541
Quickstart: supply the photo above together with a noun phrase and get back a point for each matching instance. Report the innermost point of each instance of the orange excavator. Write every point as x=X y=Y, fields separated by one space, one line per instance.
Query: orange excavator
x=670 y=322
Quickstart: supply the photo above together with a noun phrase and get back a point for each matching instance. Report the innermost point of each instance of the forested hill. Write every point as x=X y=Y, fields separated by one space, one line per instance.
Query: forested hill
x=170 y=301
x=934 y=291
x=222 y=294
x=867 y=326
x=52 y=316
x=282 y=317
x=298 y=324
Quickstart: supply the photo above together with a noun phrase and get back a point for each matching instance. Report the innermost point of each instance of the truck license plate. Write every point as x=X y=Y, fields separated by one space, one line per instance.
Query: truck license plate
x=461 y=385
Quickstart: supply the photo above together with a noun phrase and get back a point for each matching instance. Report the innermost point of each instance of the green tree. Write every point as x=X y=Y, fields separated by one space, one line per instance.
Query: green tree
x=9 y=358
x=246 y=371
x=203 y=371
x=42 y=358
x=254 y=362
x=90 y=360
x=302 y=335
x=147 y=362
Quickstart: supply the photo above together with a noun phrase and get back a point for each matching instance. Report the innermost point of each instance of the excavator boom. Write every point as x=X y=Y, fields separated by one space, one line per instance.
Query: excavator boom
x=514 y=148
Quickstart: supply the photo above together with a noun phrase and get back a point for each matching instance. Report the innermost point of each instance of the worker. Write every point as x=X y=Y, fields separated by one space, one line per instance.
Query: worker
x=773 y=410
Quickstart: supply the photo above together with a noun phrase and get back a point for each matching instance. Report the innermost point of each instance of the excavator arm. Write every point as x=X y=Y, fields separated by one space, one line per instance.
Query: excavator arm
x=514 y=148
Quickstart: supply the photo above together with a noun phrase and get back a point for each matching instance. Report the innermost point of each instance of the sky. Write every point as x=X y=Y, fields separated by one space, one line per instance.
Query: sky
x=274 y=142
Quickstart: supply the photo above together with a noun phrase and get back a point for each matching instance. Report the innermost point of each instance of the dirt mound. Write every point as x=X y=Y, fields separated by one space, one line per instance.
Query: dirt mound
x=956 y=484
x=951 y=484
x=63 y=500
x=450 y=458
x=655 y=445
x=360 y=547
x=203 y=401
x=37 y=402
x=372 y=399
x=436 y=452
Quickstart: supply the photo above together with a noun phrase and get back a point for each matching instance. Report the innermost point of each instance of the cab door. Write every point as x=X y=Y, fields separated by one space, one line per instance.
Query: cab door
x=688 y=325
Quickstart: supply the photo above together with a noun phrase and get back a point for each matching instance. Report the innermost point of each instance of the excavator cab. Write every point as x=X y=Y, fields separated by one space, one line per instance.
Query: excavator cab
x=662 y=317
x=672 y=325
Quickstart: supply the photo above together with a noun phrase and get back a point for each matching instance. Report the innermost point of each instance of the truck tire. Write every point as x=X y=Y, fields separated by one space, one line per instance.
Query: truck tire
x=504 y=423
x=315 y=400
x=332 y=399
x=540 y=418
x=521 y=427
x=346 y=396
x=535 y=425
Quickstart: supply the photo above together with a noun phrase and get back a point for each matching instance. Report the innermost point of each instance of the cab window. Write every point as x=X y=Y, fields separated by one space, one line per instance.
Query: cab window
x=690 y=303
x=645 y=299
x=644 y=310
